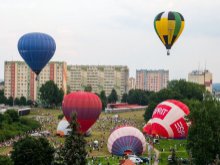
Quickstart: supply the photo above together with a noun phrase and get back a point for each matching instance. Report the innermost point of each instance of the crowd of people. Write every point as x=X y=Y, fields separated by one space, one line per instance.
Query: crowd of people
x=9 y=142
x=104 y=126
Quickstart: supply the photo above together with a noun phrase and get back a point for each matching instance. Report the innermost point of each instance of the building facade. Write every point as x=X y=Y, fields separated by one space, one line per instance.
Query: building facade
x=201 y=77
x=20 y=80
x=152 y=80
x=2 y=85
x=131 y=83
x=99 y=77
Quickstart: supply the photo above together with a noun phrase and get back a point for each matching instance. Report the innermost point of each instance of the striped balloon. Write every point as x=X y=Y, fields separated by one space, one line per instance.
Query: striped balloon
x=169 y=26
x=126 y=139
x=168 y=120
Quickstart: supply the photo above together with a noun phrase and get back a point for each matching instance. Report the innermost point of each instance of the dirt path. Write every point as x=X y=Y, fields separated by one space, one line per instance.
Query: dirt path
x=157 y=152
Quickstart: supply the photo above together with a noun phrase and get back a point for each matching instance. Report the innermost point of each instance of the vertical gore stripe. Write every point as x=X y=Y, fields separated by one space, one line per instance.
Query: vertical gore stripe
x=158 y=17
x=182 y=19
x=178 y=23
x=171 y=16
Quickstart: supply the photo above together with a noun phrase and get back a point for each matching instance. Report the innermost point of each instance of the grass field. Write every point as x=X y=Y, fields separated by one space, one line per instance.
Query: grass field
x=165 y=145
x=100 y=131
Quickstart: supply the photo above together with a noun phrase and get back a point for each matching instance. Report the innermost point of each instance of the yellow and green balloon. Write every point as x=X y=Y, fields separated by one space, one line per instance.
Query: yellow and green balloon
x=169 y=26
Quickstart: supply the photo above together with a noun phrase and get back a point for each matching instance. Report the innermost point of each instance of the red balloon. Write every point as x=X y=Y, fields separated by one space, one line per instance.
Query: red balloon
x=148 y=127
x=86 y=105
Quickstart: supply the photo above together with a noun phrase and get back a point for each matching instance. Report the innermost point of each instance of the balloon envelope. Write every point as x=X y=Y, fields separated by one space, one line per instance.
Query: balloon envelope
x=147 y=129
x=62 y=128
x=168 y=120
x=86 y=105
x=169 y=26
x=126 y=139
x=36 y=49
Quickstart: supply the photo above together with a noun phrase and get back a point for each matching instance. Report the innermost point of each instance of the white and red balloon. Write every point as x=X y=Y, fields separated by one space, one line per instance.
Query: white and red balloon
x=168 y=120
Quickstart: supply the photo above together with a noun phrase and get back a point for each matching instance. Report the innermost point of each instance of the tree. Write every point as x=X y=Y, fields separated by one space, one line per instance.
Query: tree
x=149 y=111
x=204 y=133
x=138 y=96
x=32 y=151
x=113 y=97
x=50 y=94
x=23 y=101
x=103 y=99
x=2 y=97
x=10 y=101
x=124 y=98
x=68 y=89
x=60 y=117
x=29 y=102
x=5 y=160
x=74 y=151
x=1 y=120
x=88 y=88
x=17 y=101
x=59 y=97
x=188 y=90
x=12 y=114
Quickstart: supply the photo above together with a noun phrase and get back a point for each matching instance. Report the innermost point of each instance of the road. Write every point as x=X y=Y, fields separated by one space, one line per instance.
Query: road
x=157 y=152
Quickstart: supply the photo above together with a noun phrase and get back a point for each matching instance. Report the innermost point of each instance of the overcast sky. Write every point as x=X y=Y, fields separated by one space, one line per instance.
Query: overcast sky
x=116 y=32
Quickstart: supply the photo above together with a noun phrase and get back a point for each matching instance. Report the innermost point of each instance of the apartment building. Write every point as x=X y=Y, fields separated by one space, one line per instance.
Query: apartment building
x=20 y=80
x=131 y=83
x=151 y=80
x=99 y=77
x=201 y=77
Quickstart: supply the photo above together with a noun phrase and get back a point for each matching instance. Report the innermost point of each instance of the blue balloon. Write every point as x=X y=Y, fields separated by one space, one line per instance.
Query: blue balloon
x=36 y=49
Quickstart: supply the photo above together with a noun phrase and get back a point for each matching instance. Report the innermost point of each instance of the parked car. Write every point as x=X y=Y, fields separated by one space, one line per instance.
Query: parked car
x=45 y=133
x=184 y=161
x=36 y=134
x=145 y=159
x=135 y=156
x=136 y=160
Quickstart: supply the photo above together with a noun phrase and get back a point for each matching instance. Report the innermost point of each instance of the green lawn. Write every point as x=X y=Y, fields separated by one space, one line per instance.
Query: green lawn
x=167 y=144
x=104 y=160
x=100 y=131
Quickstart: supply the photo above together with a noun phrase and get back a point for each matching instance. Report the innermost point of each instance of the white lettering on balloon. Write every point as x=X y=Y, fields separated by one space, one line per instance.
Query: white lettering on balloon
x=180 y=128
x=160 y=111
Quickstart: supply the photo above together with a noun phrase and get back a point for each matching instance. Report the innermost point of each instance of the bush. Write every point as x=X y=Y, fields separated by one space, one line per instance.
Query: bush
x=9 y=130
x=5 y=160
x=13 y=115
x=32 y=151
x=60 y=116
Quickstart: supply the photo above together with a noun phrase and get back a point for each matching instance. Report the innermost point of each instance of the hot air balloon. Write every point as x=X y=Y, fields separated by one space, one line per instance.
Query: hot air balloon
x=86 y=105
x=168 y=26
x=148 y=127
x=126 y=140
x=62 y=128
x=168 y=120
x=36 y=49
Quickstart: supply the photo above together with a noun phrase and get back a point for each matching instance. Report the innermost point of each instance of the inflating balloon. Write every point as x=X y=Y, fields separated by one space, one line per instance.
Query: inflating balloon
x=147 y=129
x=168 y=120
x=62 y=128
x=168 y=26
x=36 y=49
x=86 y=105
x=126 y=140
